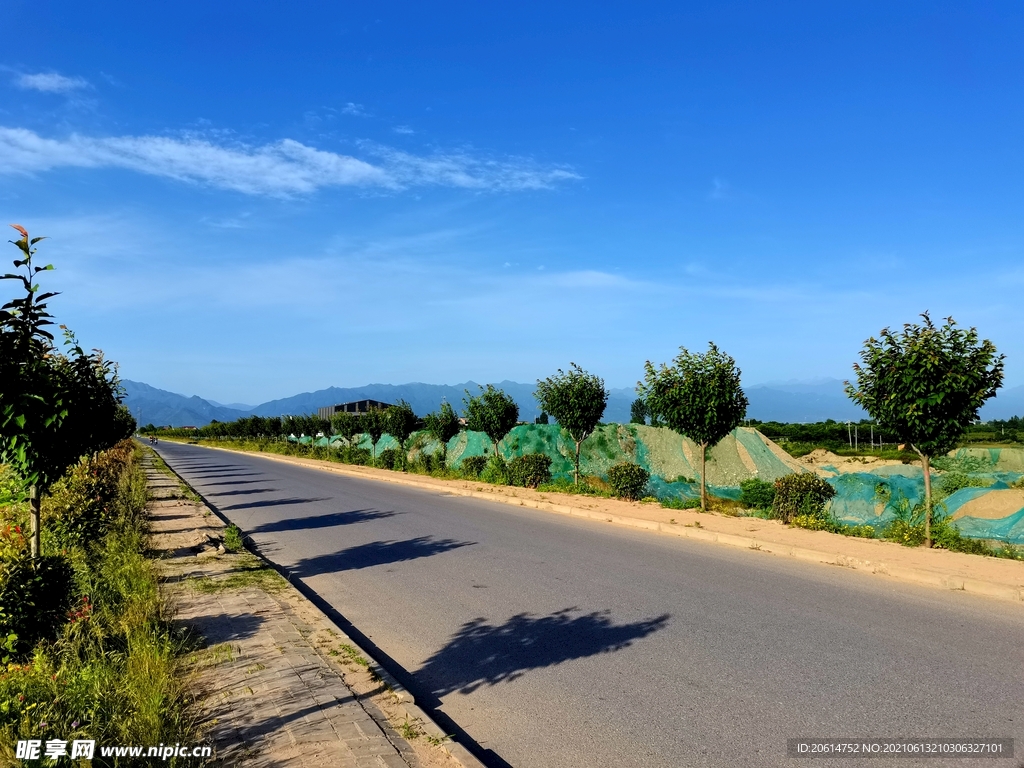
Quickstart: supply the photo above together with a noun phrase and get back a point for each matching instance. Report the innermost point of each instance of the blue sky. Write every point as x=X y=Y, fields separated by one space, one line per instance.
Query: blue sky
x=256 y=199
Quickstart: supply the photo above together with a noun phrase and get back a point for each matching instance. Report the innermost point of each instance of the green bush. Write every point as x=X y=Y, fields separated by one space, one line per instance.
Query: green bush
x=34 y=596
x=81 y=505
x=681 y=503
x=358 y=456
x=628 y=480
x=757 y=494
x=496 y=471
x=388 y=458
x=530 y=470
x=830 y=524
x=951 y=482
x=472 y=466
x=803 y=494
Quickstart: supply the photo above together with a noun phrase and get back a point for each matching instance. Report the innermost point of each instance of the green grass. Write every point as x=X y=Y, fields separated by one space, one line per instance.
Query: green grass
x=233 y=538
x=249 y=571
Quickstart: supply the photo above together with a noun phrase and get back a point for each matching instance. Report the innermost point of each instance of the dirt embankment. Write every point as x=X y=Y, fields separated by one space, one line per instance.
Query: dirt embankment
x=826 y=463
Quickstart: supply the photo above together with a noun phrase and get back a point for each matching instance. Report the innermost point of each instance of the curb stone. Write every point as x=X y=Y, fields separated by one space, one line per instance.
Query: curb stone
x=921 y=576
x=407 y=703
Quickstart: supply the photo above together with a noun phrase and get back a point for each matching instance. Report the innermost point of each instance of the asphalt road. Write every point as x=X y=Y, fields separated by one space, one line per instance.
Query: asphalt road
x=557 y=642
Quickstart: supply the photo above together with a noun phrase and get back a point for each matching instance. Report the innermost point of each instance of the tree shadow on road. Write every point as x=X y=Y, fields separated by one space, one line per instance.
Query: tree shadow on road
x=376 y=553
x=487 y=654
x=268 y=503
x=242 y=492
x=236 y=482
x=322 y=521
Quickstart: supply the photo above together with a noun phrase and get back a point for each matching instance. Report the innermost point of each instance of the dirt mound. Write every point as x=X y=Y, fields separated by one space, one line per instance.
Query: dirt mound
x=828 y=464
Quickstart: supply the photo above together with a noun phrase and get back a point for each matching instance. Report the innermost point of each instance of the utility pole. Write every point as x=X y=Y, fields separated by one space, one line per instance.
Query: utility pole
x=849 y=435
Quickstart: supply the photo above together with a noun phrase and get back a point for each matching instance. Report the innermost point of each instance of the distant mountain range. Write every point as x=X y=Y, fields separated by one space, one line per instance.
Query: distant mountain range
x=787 y=401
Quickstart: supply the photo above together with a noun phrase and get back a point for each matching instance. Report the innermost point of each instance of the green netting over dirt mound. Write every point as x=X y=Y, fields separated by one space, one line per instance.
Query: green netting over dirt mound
x=743 y=454
x=998 y=459
x=995 y=511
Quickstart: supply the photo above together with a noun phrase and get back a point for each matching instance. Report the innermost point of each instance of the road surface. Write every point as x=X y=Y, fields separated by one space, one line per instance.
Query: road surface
x=558 y=642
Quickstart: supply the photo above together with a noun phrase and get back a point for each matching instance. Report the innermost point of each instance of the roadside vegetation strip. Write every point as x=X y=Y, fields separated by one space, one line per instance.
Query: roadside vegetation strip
x=97 y=657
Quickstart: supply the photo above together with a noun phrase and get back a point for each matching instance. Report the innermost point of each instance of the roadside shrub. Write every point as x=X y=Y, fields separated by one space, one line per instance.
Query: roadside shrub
x=757 y=494
x=628 y=480
x=81 y=505
x=358 y=456
x=830 y=524
x=951 y=482
x=946 y=535
x=34 y=596
x=472 y=466
x=565 y=485
x=496 y=471
x=804 y=494
x=424 y=462
x=679 y=503
x=388 y=458
x=530 y=470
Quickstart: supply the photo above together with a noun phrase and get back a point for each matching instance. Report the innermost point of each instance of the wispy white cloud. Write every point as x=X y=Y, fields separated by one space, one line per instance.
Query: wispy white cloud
x=356 y=110
x=462 y=169
x=404 y=130
x=50 y=82
x=284 y=168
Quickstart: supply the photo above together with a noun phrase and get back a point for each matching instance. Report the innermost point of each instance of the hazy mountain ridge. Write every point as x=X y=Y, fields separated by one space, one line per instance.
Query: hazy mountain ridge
x=789 y=402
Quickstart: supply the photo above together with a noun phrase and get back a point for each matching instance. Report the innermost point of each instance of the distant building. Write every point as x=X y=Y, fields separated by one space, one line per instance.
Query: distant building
x=357 y=407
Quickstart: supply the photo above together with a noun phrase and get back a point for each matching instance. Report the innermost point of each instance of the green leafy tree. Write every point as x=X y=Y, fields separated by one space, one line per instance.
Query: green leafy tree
x=374 y=423
x=54 y=407
x=443 y=426
x=638 y=411
x=346 y=425
x=492 y=412
x=577 y=400
x=699 y=396
x=400 y=421
x=31 y=406
x=926 y=385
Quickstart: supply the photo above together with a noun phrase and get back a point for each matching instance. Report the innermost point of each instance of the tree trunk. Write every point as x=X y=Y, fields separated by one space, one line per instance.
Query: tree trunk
x=926 y=464
x=578 y=444
x=703 y=472
x=33 y=500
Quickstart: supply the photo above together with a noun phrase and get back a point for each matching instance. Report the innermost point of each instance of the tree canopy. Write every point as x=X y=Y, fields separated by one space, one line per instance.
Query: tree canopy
x=374 y=423
x=54 y=406
x=577 y=400
x=926 y=384
x=443 y=425
x=492 y=412
x=699 y=396
x=638 y=411
x=400 y=421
